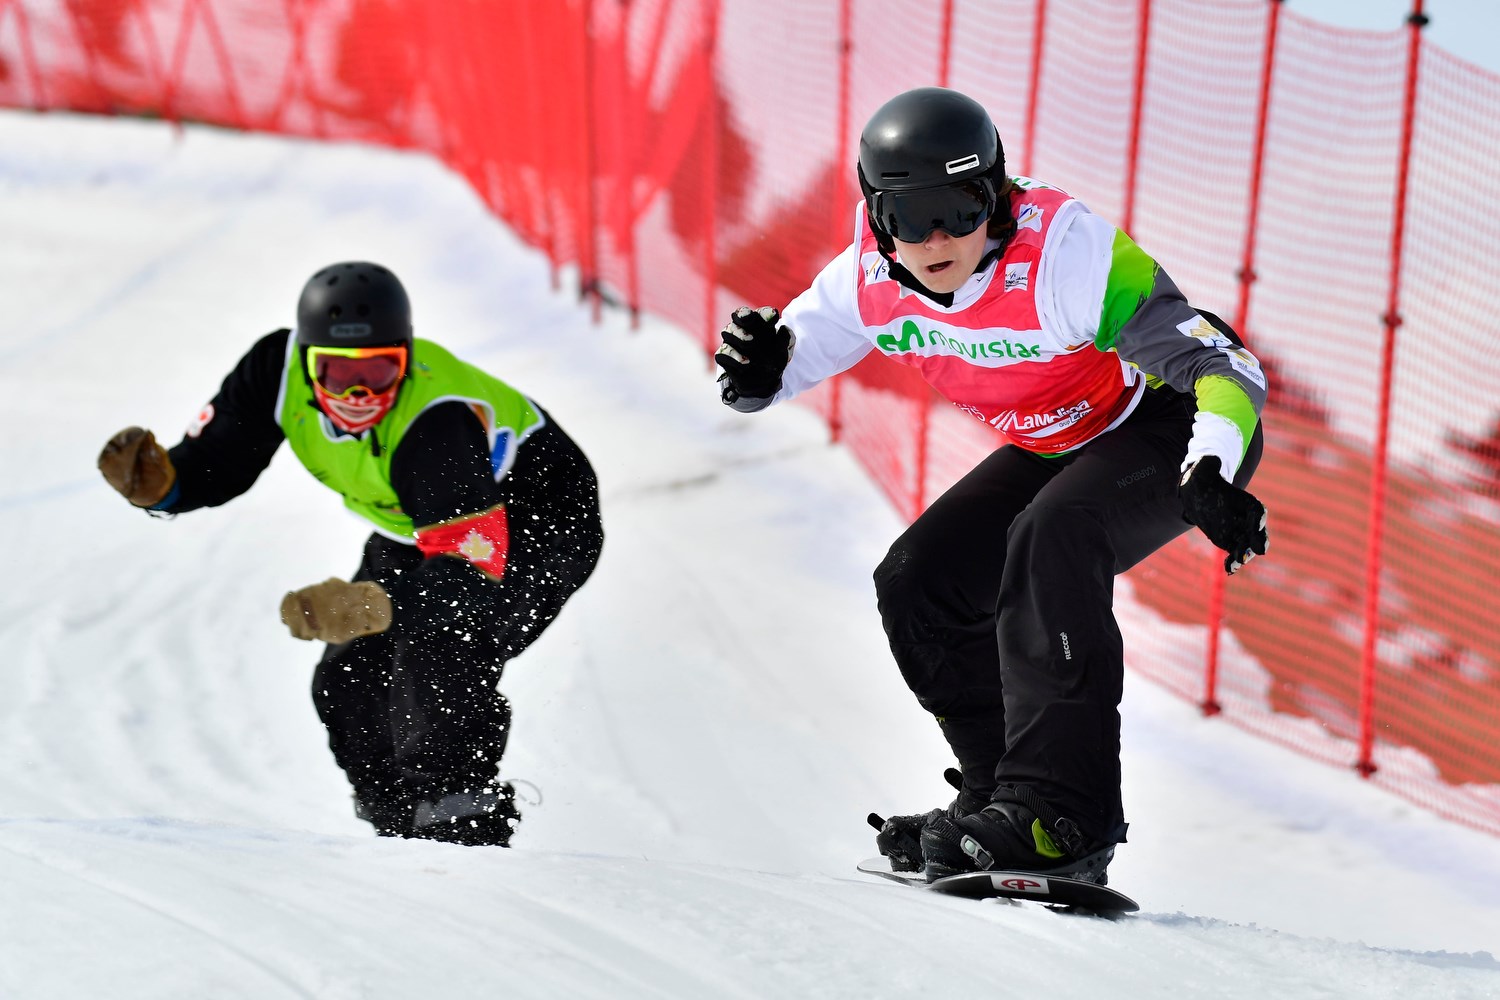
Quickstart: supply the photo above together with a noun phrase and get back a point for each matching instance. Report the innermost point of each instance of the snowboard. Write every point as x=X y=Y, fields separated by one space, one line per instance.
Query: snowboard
x=1071 y=894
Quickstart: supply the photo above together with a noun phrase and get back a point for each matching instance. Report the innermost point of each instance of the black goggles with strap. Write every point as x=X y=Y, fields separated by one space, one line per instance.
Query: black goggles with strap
x=956 y=209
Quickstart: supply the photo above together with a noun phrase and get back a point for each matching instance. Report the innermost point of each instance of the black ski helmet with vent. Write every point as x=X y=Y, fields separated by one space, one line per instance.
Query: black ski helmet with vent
x=924 y=139
x=353 y=304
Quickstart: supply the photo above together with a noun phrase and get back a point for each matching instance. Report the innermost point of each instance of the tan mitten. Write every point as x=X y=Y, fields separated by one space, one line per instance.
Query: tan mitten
x=334 y=611
x=137 y=467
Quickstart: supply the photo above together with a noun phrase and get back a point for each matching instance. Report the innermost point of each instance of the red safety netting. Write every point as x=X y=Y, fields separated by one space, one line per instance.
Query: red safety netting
x=1330 y=192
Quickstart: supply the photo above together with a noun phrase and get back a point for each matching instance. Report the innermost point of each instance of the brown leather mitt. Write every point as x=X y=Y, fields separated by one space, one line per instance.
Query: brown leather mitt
x=137 y=467
x=334 y=611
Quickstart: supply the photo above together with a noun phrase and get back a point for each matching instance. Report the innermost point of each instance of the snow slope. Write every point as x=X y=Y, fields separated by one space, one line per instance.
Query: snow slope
x=707 y=724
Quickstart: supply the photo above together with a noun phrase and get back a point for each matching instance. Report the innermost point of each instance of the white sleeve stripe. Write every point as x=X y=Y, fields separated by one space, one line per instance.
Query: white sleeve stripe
x=1215 y=435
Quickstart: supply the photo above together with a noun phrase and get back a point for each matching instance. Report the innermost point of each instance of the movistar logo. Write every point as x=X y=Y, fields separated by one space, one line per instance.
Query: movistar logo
x=912 y=339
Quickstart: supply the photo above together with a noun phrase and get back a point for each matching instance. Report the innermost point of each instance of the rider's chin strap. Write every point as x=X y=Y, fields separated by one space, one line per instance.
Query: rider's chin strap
x=906 y=279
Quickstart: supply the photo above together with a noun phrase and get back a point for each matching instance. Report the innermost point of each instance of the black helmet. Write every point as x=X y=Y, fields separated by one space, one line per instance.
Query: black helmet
x=354 y=304
x=920 y=148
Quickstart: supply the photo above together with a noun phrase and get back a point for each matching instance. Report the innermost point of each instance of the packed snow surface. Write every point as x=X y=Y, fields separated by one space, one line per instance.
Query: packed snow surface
x=706 y=725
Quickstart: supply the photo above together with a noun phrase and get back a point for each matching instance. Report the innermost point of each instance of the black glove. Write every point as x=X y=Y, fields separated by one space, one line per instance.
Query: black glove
x=1231 y=518
x=754 y=354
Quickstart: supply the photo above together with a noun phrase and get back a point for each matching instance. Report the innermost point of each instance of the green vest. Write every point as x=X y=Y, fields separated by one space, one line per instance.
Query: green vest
x=358 y=469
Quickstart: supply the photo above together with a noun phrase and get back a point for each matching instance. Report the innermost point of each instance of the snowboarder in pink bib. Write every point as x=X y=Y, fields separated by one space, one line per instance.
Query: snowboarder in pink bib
x=1129 y=415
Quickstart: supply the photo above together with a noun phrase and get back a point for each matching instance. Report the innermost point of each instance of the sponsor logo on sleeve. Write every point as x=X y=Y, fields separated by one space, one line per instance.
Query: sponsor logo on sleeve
x=1245 y=363
x=1240 y=359
x=200 y=421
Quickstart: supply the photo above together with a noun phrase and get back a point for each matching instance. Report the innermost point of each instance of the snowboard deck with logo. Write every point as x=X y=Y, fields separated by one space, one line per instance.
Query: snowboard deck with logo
x=1063 y=893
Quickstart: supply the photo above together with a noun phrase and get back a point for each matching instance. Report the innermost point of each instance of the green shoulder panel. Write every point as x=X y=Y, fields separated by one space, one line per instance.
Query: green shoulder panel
x=360 y=470
x=1132 y=277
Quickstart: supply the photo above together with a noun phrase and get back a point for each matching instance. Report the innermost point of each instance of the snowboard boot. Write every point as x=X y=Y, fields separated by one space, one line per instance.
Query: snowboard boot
x=476 y=818
x=385 y=803
x=899 y=838
x=390 y=818
x=1007 y=835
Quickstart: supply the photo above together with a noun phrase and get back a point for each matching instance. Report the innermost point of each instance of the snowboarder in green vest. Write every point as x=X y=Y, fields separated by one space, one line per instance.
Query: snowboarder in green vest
x=485 y=517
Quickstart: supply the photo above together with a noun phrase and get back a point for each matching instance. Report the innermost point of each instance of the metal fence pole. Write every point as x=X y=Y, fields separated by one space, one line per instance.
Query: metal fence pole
x=1368 y=662
x=1132 y=157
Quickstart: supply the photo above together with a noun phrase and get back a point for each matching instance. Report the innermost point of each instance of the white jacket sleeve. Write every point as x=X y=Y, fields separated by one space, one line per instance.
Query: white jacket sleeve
x=825 y=321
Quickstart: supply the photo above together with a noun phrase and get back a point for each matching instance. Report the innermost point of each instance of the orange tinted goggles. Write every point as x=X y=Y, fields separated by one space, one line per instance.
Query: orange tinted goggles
x=339 y=371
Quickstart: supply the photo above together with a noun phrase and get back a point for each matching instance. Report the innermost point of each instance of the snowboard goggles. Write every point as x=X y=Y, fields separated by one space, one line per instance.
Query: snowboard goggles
x=338 y=371
x=957 y=209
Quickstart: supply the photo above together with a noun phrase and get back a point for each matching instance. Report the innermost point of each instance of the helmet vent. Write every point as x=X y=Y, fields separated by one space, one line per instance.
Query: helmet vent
x=896 y=174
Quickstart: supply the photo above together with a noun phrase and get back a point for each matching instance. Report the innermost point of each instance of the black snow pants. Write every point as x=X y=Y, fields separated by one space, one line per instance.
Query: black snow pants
x=998 y=604
x=415 y=712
